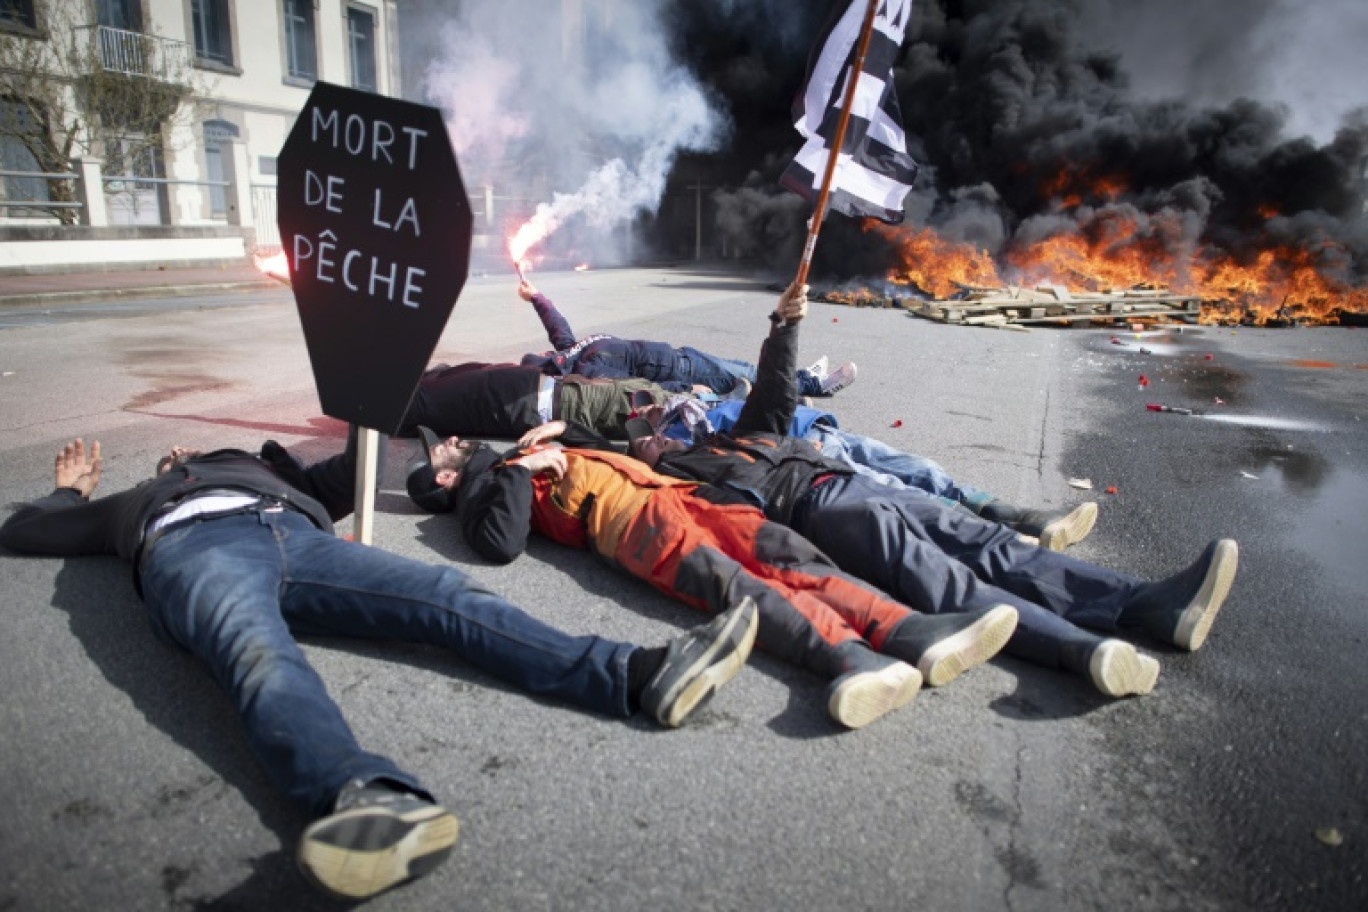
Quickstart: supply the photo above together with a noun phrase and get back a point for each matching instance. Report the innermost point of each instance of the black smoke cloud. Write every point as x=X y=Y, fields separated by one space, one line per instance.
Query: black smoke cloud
x=1012 y=105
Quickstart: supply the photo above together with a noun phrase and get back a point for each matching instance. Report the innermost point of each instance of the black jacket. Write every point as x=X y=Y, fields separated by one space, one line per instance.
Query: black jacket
x=475 y=400
x=65 y=524
x=757 y=460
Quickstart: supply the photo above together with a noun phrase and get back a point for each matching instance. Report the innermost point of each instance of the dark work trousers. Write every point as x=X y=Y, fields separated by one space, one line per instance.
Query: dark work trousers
x=710 y=556
x=937 y=559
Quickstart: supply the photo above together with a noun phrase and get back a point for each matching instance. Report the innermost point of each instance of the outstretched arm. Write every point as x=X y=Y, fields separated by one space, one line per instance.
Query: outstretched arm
x=557 y=327
x=66 y=521
x=570 y=433
x=769 y=408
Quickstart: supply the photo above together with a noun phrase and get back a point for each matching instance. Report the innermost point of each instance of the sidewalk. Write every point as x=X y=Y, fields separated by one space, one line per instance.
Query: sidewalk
x=75 y=288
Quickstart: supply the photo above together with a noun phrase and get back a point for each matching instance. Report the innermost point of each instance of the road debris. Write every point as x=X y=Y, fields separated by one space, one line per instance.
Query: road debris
x=1329 y=836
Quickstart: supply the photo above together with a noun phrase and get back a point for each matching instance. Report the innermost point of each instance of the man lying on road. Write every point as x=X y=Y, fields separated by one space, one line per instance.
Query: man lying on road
x=234 y=554
x=677 y=369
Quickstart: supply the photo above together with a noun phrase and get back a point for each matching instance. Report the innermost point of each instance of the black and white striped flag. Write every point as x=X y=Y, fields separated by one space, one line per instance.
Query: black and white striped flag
x=873 y=173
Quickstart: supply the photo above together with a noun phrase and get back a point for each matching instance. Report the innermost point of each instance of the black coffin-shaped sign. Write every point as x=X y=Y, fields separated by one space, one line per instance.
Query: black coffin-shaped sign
x=376 y=225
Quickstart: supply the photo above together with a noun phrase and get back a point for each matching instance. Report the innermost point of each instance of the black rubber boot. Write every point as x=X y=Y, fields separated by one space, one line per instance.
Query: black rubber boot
x=1180 y=609
x=1115 y=667
x=868 y=685
x=944 y=646
x=1056 y=529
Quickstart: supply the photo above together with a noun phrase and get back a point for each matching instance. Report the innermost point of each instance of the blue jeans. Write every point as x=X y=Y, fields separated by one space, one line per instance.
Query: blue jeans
x=936 y=559
x=235 y=591
x=721 y=374
x=880 y=462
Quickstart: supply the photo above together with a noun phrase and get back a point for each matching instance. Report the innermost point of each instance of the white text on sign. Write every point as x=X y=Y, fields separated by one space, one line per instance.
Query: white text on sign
x=352 y=269
x=327 y=192
x=361 y=137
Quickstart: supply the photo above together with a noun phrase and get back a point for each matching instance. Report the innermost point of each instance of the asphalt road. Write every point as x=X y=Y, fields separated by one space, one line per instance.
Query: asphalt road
x=1238 y=784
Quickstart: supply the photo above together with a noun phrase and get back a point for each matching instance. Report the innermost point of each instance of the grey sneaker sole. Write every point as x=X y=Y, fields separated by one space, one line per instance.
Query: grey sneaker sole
x=707 y=674
x=1195 y=622
x=951 y=657
x=858 y=698
x=1070 y=529
x=1119 y=670
x=363 y=851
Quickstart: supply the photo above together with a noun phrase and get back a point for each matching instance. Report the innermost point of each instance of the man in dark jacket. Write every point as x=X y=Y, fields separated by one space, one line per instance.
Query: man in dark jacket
x=508 y=400
x=234 y=553
x=676 y=369
x=940 y=559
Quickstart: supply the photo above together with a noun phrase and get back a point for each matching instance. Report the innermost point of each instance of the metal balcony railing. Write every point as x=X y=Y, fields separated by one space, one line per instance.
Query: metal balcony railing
x=137 y=54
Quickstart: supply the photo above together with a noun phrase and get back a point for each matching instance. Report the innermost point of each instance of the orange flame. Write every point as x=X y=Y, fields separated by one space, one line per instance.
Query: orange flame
x=936 y=266
x=276 y=266
x=1113 y=250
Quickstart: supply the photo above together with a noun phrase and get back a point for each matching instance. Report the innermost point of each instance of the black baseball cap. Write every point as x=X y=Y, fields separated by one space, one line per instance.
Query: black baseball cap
x=423 y=488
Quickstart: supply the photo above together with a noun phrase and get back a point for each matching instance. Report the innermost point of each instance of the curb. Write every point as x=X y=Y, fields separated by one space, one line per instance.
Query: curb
x=41 y=298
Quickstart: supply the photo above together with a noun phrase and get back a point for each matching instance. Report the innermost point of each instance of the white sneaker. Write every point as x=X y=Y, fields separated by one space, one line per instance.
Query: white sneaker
x=820 y=367
x=838 y=379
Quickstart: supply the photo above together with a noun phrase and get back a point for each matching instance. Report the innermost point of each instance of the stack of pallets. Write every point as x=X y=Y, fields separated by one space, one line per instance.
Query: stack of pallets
x=1046 y=304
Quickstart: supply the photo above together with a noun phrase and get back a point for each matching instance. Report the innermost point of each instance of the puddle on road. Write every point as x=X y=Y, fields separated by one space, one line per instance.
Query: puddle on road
x=1332 y=532
x=1301 y=472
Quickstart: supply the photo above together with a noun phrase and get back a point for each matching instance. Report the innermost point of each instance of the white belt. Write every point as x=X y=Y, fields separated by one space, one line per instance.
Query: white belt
x=204 y=504
x=545 y=397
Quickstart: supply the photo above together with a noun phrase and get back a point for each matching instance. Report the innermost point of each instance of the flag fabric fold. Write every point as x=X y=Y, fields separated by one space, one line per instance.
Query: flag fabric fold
x=873 y=172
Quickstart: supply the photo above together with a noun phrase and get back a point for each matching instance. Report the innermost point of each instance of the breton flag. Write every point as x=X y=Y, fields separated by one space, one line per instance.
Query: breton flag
x=873 y=173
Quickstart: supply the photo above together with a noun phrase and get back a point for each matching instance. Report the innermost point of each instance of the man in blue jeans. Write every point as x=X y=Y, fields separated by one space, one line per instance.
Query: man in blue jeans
x=678 y=370
x=234 y=554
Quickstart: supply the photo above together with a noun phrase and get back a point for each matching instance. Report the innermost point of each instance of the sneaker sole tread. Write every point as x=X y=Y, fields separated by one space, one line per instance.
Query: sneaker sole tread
x=428 y=836
x=696 y=686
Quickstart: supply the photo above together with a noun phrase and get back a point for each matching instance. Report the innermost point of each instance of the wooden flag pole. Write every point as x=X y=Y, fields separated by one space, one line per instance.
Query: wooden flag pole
x=820 y=210
x=367 y=456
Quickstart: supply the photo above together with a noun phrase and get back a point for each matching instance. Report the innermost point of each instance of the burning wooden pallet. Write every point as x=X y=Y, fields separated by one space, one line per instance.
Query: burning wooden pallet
x=1047 y=303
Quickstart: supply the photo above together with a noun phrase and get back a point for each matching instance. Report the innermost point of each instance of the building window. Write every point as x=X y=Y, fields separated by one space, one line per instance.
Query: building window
x=17 y=15
x=131 y=201
x=120 y=14
x=361 y=42
x=213 y=33
x=301 y=48
x=17 y=128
